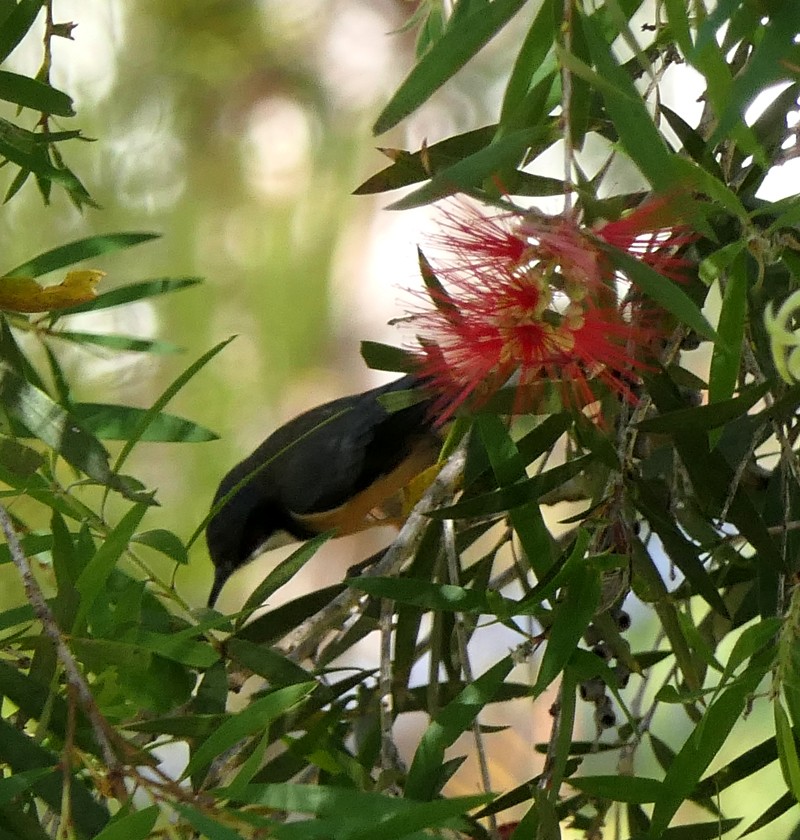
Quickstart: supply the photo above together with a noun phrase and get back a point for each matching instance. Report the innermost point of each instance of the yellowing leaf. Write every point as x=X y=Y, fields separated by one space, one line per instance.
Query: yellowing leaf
x=415 y=489
x=24 y=294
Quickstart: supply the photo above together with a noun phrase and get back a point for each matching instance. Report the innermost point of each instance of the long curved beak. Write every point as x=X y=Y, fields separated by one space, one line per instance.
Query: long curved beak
x=221 y=575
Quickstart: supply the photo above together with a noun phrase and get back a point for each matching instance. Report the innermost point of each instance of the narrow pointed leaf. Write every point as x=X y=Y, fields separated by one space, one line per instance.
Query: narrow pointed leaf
x=703 y=745
x=153 y=412
x=412 y=167
x=92 y=579
x=572 y=615
x=450 y=53
x=120 y=422
x=424 y=774
x=80 y=249
x=16 y=25
x=30 y=93
x=732 y=319
x=254 y=718
x=132 y=292
x=47 y=421
x=633 y=122
x=135 y=825
x=664 y=292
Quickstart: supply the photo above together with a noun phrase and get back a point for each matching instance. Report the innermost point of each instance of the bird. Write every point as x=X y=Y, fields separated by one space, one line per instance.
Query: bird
x=339 y=466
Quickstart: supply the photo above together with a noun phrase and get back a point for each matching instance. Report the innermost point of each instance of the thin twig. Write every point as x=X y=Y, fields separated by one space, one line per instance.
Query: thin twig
x=65 y=829
x=566 y=106
x=389 y=752
x=301 y=642
x=75 y=678
x=546 y=777
x=449 y=540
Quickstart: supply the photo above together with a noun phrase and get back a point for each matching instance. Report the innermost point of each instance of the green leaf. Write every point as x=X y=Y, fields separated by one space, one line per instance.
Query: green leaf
x=649 y=586
x=695 y=831
x=251 y=765
x=12 y=786
x=182 y=648
x=703 y=744
x=185 y=726
x=436 y=290
x=693 y=143
x=282 y=574
x=254 y=718
x=537 y=44
x=57 y=428
x=704 y=418
x=664 y=292
x=379 y=356
x=354 y=813
x=638 y=134
x=727 y=353
x=787 y=749
x=716 y=265
x=154 y=411
x=120 y=422
x=165 y=542
x=750 y=642
x=636 y=789
x=16 y=616
x=681 y=551
x=520 y=493
x=691 y=176
x=24 y=149
x=32 y=544
x=778 y=808
x=556 y=575
x=468 y=174
x=125 y=343
x=424 y=776
x=20 y=752
x=19 y=459
x=139 y=679
x=268 y=628
x=135 y=825
x=30 y=93
x=571 y=617
x=80 y=249
x=17 y=183
x=708 y=58
x=412 y=167
x=278 y=670
x=16 y=25
x=128 y=294
x=508 y=466
x=205 y=826
x=768 y=63
x=741 y=767
x=92 y=580
x=424 y=593
x=450 y=53
x=424 y=815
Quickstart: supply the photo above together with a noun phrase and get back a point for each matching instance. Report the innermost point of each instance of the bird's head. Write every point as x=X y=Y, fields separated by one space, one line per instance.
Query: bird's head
x=244 y=526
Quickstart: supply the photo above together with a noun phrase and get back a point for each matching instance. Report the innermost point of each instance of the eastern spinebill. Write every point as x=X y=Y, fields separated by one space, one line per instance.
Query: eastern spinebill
x=340 y=466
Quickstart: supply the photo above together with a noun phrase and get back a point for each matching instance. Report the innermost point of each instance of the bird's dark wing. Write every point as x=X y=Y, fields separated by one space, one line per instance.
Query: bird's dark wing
x=359 y=442
x=319 y=462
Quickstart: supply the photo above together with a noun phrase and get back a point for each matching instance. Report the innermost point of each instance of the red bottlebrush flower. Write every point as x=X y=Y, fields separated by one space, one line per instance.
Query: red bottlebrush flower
x=529 y=298
x=651 y=234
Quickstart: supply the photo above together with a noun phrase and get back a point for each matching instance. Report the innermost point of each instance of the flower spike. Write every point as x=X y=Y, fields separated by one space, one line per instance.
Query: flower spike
x=527 y=298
